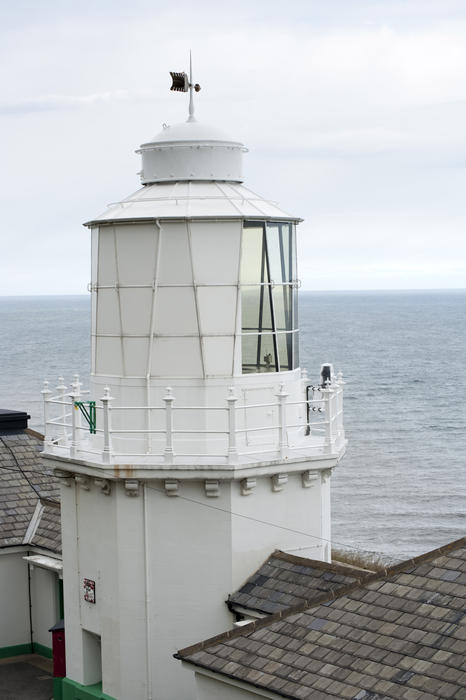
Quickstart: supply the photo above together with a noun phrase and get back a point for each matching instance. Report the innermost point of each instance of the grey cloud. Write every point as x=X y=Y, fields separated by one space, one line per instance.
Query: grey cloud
x=53 y=103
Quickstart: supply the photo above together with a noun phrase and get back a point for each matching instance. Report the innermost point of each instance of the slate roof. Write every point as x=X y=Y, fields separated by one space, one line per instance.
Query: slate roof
x=399 y=635
x=285 y=580
x=48 y=532
x=23 y=482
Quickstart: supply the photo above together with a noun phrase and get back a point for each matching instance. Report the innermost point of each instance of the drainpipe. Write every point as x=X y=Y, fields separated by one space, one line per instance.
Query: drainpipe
x=31 y=638
x=147 y=594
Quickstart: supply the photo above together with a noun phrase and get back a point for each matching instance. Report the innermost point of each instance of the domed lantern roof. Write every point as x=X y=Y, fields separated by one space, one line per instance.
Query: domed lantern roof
x=191 y=151
x=192 y=170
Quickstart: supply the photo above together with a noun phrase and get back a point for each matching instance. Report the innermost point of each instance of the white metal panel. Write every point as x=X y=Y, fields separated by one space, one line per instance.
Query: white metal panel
x=191 y=151
x=136 y=307
x=217 y=310
x=218 y=356
x=184 y=200
x=191 y=162
x=108 y=313
x=176 y=311
x=108 y=356
x=216 y=251
x=135 y=350
x=175 y=260
x=136 y=247
x=176 y=357
x=94 y=253
x=94 y=272
x=107 y=258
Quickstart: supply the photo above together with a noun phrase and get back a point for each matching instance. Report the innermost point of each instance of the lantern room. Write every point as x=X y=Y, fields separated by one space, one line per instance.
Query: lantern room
x=194 y=278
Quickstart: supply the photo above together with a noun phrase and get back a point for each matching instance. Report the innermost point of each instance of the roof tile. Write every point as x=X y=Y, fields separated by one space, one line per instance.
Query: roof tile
x=379 y=640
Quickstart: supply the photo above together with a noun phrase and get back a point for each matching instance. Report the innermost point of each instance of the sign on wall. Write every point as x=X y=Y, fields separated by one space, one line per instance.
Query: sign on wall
x=89 y=590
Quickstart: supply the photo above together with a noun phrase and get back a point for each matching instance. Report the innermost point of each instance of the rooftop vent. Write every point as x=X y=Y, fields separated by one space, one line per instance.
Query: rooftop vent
x=13 y=421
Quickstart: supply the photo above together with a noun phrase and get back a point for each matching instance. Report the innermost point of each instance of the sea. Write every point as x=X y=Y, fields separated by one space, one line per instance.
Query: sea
x=400 y=490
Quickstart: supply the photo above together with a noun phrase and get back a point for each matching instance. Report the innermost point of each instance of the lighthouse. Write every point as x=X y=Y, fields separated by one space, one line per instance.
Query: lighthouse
x=199 y=445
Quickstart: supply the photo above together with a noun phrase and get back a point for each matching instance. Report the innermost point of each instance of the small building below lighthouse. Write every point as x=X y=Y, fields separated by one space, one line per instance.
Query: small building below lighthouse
x=201 y=446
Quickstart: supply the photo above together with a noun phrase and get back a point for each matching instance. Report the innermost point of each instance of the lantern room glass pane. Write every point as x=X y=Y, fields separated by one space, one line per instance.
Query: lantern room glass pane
x=286 y=231
x=293 y=253
x=268 y=296
x=259 y=353
x=256 y=309
x=285 y=351
x=283 y=307
x=273 y=249
x=295 y=350
x=253 y=253
x=280 y=251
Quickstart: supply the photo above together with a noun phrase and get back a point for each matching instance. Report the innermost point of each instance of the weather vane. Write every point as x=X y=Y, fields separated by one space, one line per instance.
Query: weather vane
x=181 y=83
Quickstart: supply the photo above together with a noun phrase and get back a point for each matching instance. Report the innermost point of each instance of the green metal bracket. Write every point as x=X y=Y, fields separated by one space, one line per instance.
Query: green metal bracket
x=87 y=408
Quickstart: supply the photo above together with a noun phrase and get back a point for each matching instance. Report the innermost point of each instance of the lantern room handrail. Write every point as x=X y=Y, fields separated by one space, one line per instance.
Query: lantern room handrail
x=67 y=435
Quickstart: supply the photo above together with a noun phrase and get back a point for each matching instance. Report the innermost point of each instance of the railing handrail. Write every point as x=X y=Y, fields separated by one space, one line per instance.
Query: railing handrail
x=326 y=432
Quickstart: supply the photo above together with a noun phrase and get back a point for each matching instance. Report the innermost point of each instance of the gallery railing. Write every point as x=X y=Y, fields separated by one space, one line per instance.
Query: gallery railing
x=79 y=427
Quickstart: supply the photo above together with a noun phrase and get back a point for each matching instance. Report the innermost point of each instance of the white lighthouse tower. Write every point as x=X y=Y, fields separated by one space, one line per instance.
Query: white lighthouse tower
x=200 y=446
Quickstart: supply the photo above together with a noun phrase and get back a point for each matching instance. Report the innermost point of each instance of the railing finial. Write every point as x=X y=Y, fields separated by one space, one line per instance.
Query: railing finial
x=106 y=452
x=282 y=424
x=232 y=446
x=46 y=398
x=168 y=399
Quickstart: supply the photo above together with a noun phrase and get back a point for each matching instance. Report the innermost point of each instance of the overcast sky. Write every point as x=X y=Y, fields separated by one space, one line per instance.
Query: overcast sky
x=354 y=112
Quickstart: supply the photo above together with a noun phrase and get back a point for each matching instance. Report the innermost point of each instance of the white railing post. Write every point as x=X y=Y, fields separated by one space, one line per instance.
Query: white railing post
x=328 y=393
x=61 y=392
x=282 y=431
x=107 y=450
x=46 y=399
x=74 y=425
x=169 y=398
x=232 y=446
x=76 y=391
x=336 y=411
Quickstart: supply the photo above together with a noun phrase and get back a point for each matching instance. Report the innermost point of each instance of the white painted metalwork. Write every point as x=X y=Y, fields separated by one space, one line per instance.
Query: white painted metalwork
x=178 y=439
x=46 y=392
x=191 y=152
x=194 y=200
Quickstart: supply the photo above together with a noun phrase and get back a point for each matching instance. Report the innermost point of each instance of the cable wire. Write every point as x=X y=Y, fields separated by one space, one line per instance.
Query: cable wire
x=265 y=522
x=19 y=467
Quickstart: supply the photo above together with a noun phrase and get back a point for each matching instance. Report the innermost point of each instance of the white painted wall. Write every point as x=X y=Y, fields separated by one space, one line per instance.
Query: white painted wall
x=190 y=576
x=213 y=689
x=14 y=600
x=44 y=598
x=164 y=567
x=294 y=511
x=89 y=534
x=187 y=587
